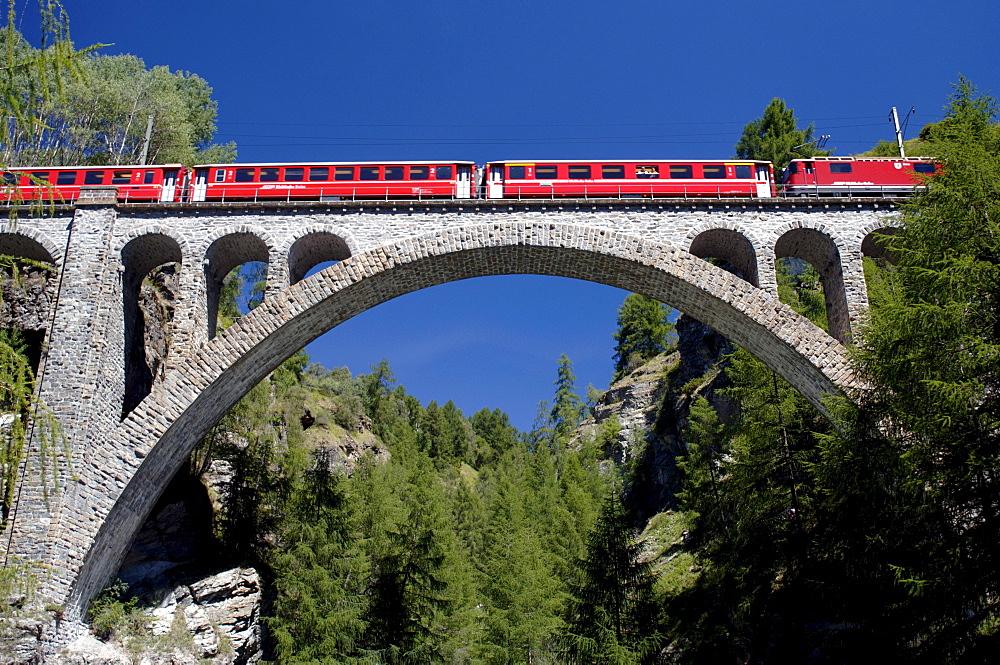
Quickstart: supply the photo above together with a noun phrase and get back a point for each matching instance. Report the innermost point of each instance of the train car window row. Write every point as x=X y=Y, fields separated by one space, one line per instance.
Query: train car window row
x=66 y=178
x=713 y=171
x=579 y=172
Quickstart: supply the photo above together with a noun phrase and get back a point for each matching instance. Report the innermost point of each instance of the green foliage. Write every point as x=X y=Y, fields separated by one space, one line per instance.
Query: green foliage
x=644 y=331
x=115 y=612
x=567 y=409
x=775 y=137
x=100 y=117
x=931 y=355
x=319 y=574
x=612 y=618
x=800 y=288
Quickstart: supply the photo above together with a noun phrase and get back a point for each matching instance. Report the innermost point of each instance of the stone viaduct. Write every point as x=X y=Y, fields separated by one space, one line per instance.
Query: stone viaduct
x=125 y=443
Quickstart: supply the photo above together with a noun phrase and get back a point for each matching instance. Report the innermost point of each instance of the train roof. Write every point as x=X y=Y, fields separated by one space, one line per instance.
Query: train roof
x=432 y=162
x=94 y=167
x=845 y=158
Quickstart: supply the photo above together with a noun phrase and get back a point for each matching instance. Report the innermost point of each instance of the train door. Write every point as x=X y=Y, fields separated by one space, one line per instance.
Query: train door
x=764 y=188
x=200 y=185
x=464 y=185
x=494 y=187
x=169 y=189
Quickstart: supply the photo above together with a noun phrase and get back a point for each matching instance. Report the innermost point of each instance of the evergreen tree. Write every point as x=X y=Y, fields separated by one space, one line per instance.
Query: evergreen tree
x=567 y=409
x=319 y=574
x=931 y=355
x=644 y=331
x=612 y=618
x=775 y=137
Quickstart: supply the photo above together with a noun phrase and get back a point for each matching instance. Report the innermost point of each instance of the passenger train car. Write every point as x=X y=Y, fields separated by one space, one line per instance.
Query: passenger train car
x=506 y=179
x=617 y=179
x=333 y=181
x=855 y=176
x=142 y=184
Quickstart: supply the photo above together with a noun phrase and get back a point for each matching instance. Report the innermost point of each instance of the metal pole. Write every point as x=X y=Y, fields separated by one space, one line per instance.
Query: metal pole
x=145 y=141
x=899 y=133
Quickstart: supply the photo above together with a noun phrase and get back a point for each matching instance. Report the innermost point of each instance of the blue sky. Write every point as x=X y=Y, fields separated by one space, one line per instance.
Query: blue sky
x=392 y=79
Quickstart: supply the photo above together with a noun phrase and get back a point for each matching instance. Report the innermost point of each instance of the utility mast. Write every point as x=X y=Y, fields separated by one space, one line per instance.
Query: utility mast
x=149 y=132
x=894 y=116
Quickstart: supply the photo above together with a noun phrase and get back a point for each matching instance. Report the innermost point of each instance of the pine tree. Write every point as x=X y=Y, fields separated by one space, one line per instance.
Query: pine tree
x=776 y=138
x=644 y=331
x=612 y=618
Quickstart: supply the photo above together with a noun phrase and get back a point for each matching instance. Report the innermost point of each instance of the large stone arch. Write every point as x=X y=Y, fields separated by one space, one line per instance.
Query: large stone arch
x=157 y=436
x=28 y=243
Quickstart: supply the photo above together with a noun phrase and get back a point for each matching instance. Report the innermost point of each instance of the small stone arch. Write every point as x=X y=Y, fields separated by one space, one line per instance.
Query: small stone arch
x=822 y=251
x=313 y=248
x=873 y=247
x=224 y=254
x=27 y=243
x=730 y=246
x=139 y=256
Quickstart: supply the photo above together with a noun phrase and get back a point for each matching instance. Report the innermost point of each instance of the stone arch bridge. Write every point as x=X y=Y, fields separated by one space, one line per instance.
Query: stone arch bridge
x=128 y=432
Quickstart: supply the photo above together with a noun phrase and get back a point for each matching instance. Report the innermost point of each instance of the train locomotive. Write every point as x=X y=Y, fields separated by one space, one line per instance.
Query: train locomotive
x=506 y=179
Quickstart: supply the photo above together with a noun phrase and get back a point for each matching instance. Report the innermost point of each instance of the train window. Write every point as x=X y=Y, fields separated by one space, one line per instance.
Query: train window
x=294 y=174
x=546 y=171
x=924 y=167
x=269 y=175
x=369 y=173
x=744 y=171
x=41 y=175
x=148 y=177
x=343 y=173
x=793 y=168
x=647 y=171
x=220 y=175
x=681 y=171
x=66 y=178
x=394 y=173
x=613 y=171
x=319 y=173
x=442 y=172
x=10 y=178
x=840 y=167
x=713 y=171
x=579 y=171
x=516 y=172
x=244 y=175
x=93 y=177
x=420 y=173
x=121 y=177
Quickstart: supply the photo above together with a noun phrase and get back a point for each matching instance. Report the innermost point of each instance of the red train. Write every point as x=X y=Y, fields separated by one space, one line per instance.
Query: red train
x=855 y=176
x=527 y=179
x=617 y=179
